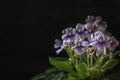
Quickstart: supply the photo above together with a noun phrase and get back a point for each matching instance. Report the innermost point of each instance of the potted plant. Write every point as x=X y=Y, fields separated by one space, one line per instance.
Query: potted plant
x=91 y=53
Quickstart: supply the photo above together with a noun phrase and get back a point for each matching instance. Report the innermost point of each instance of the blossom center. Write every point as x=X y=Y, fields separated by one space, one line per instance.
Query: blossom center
x=79 y=44
x=91 y=50
x=111 y=41
x=70 y=33
x=101 y=40
x=90 y=30
x=80 y=30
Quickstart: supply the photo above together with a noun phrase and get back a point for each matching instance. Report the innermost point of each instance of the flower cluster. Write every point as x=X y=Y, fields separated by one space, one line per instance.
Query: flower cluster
x=90 y=37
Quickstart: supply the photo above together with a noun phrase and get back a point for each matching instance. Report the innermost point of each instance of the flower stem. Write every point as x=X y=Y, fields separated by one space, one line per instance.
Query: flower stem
x=77 y=64
x=95 y=58
x=88 y=56
x=91 y=60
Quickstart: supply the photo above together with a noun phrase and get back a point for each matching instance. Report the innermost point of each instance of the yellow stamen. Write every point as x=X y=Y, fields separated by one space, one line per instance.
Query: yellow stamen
x=91 y=49
x=101 y=40
x=70 y=33
x=80 y=30
x=90 y=30
x=79 y=44
x=111 y=41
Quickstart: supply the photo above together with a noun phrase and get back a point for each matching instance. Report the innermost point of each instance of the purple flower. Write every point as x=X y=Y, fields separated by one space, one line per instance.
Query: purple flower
x=60 y=44
x=100 y=43
x=69 y=35
x=79 y=31
x=79 y=47
x=100 y=25
x=90 y=28
x=112 y=42
x=91 y=37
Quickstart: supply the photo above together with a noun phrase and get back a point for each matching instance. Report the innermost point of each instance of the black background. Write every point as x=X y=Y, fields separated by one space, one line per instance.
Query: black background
x=28 y=29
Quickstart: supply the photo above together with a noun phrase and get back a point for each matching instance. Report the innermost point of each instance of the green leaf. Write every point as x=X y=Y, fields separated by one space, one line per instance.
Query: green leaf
x=95 y=74
x=83 y=71
x=50 y=74
x=61 y=63
x=117 y=53
x=101 y=61
x=83 y=67
x=74 y=75
x=110 y=64
x=71 y=78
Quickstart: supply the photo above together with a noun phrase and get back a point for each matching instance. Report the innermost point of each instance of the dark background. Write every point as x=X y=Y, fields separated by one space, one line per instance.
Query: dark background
x=28 y=29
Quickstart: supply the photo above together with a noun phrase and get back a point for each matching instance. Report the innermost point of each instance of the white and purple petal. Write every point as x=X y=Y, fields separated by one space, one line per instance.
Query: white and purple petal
x=69 y=35
x=90 y=28
x=112 y=43
x=79 y=46
x=101 y=26
x=59 y=50
x=79 y=31
x=58 y=43
x=100 y=42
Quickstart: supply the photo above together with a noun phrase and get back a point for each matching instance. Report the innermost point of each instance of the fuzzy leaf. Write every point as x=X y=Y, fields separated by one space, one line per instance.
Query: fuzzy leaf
x=71 y=78
x=83 y=71
x=95 y=74
x=61 y=63
x=101 y=61
x=83 y=67
x=110 y=64
x=50 y=74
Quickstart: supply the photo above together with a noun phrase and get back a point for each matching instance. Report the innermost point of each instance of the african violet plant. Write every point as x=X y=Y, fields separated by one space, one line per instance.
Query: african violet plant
x=90 y=49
